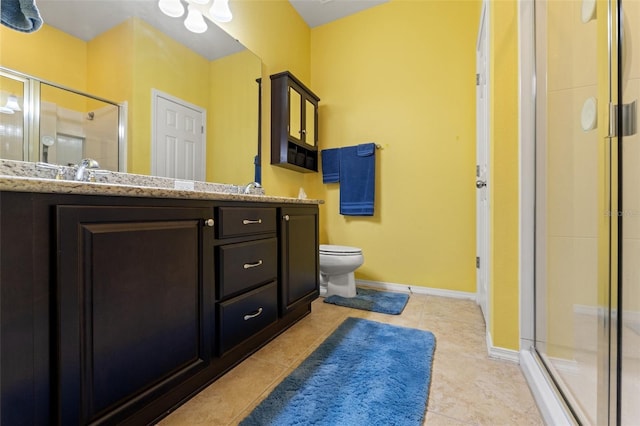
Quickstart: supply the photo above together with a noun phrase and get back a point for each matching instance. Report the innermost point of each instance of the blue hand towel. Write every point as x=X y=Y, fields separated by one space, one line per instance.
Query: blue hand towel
x=20 y=15
x=357 y=180
x=330 y=165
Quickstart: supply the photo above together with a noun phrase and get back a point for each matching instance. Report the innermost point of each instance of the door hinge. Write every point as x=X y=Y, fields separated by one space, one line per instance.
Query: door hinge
x=478 y=262
x=629 y=119
x=202 y=129
x=478 y=170
x=477 y=79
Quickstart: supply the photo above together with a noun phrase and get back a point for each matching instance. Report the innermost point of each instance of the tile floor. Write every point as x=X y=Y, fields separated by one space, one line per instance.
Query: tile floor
x=467 y=388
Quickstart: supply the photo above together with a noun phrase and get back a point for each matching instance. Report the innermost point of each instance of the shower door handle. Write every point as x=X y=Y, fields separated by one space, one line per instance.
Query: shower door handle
x=481 y=184
x=629 y=119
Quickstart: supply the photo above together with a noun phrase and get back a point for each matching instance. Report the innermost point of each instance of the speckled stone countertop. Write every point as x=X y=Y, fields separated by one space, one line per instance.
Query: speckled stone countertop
x=19 y=176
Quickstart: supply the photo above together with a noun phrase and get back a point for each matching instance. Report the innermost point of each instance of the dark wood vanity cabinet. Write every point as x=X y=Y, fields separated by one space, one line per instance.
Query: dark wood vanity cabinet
x=132 y=314
x=116 y=310
x=299 y=265
x=247 y=271
x=294 y=124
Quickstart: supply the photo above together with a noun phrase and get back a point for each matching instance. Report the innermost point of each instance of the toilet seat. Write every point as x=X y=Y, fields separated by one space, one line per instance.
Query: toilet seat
x=339 y=250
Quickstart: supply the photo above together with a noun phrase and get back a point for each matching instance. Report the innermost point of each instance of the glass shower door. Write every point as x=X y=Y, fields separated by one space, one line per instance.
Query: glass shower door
x=573 y=180
x=628 y=289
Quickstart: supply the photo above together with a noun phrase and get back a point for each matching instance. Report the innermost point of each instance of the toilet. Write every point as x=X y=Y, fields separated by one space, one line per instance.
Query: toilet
x=337 y=266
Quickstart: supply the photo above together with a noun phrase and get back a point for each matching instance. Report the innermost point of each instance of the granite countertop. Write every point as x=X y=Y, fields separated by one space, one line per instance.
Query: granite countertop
x=18 y=176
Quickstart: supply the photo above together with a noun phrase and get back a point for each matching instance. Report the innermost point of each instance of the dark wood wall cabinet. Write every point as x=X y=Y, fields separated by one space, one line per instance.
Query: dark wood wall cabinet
x=116 y=310
x=294 y=124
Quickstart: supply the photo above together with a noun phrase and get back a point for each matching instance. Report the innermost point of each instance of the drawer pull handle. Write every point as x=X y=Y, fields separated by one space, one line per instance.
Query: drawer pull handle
x=253 y=315
x=251 y=222
x=252 y=265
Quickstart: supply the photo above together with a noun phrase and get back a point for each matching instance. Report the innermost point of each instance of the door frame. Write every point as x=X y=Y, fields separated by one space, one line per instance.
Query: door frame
x=483 y=223
x=155 y=94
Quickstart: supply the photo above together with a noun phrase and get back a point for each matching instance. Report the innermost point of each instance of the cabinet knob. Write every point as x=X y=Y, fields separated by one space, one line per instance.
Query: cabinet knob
x=285 y=217
x=209 y=222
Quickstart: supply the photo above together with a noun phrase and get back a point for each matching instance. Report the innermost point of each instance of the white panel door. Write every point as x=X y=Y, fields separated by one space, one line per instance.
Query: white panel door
x=482 y=167
x=178 y=148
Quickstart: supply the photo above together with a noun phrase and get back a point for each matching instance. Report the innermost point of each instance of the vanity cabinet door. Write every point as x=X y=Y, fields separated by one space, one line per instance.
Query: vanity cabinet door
x=299 y=257
x=134 y=306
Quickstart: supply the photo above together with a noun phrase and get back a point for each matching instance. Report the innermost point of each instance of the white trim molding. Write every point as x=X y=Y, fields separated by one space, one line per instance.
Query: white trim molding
x=551 y=407
x=407 y=288
x=494 y=352
x=502 y=354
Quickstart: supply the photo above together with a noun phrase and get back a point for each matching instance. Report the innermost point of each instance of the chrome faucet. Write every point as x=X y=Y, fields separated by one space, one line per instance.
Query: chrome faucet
x=250 y=185
x=85 y=164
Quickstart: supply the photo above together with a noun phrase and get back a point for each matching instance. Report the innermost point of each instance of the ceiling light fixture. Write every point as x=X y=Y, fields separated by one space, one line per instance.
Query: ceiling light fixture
x=12 y=103
x=195 y=21
x=220 y=11
x=172 y=8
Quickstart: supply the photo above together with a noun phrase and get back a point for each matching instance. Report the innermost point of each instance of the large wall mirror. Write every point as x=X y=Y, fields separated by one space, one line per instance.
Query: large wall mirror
x=129 y=56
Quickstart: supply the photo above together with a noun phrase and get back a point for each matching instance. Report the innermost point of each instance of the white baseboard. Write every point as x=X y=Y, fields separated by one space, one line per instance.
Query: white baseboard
x=493 y=352
x=406 y=288
x=551 y=407
x=502 y=354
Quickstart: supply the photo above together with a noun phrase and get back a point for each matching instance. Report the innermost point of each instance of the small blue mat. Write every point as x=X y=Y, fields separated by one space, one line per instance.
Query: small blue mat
x=384 y=302
x=364 y=373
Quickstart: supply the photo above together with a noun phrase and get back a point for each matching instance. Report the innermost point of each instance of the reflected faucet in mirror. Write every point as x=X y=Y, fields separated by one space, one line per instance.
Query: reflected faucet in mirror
x=86 y=163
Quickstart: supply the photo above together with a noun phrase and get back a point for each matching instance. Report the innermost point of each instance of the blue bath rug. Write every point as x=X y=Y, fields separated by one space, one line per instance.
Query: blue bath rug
x=364 y=373
x=384 y=302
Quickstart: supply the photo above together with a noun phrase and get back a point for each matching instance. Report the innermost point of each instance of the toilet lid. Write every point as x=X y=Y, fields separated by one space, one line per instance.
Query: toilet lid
x=339 y=250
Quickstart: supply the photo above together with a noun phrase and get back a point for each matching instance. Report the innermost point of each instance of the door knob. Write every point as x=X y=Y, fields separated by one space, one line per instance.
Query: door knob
x=480 y=184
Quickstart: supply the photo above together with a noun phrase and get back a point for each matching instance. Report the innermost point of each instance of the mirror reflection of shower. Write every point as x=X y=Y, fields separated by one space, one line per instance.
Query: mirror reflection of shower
x=44 y=122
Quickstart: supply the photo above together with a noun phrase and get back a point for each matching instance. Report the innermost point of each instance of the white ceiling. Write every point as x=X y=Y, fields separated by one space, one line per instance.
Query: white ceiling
x=319 y=12
x=85 y=19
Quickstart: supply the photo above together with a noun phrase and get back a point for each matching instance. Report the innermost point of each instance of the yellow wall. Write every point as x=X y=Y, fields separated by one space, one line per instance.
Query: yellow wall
x=275 y=32
x=232 y=117
x=385 y=75
x=185 y=75
x=48 y=54
x=504 y=173
x=400 y=74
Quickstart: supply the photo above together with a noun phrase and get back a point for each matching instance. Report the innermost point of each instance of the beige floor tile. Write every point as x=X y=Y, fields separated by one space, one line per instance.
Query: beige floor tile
x=433 y=419
x=467 y=388
x=225 y=399
x=480 y=391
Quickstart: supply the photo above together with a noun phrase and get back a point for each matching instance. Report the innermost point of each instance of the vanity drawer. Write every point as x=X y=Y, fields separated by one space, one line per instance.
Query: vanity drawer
x=245 y=265
x=247 y=314
x=238 y=221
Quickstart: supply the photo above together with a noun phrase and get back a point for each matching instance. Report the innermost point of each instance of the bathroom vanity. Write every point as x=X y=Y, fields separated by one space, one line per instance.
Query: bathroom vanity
x=118 y=303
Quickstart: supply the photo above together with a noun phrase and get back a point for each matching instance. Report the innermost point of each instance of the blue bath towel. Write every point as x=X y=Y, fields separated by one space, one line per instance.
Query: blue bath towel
x=330 y=165
x=357 y=180
x=20 y=15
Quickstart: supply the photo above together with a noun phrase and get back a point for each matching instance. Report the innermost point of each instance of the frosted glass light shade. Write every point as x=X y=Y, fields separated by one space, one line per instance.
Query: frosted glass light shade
x=200 y=1
x=172 y=8
x=12 y=103
x=220 y=11
x=195 y=21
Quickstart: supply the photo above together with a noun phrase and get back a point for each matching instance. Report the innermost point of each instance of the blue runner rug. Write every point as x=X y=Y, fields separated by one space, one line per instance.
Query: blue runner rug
x=364 y=373
x=384 y=302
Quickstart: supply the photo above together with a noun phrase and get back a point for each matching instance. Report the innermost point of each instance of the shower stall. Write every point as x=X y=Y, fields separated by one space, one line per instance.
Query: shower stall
x=44 y=122
x=587 y=196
